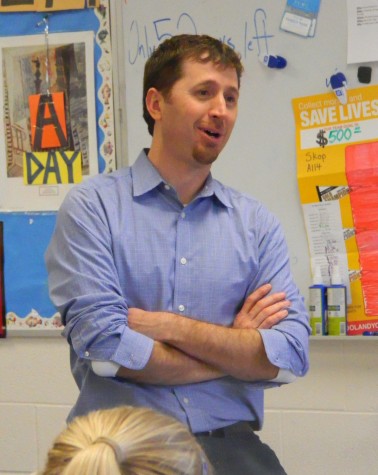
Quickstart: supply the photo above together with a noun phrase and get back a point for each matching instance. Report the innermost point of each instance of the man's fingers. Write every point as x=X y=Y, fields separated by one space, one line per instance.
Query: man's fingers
x=255 y=296
x=244 y=322
x=261 y=310
x=254 y=305
x=272 y=309
x=274 y=319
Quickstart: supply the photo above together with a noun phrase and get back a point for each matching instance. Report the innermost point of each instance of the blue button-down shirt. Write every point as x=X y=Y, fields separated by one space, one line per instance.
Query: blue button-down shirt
x=124 y=240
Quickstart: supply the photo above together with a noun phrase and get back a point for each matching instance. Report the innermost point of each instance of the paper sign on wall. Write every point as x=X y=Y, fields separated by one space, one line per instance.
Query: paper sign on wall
x=48 y=121
x=45 y=5
x=300 y=17
x=337 y=169
x=52 y=168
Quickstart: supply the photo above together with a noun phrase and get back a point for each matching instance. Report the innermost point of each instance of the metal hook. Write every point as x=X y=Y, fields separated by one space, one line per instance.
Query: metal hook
x=45 y=20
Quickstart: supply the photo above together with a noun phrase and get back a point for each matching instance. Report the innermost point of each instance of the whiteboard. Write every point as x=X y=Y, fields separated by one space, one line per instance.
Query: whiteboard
x=260 y=157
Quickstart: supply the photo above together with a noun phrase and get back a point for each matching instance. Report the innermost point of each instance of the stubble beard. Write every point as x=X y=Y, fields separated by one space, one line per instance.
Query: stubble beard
x=205 y=156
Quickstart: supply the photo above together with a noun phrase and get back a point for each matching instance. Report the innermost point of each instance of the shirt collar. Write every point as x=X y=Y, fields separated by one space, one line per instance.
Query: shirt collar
x=215 y=188
x=146 y=178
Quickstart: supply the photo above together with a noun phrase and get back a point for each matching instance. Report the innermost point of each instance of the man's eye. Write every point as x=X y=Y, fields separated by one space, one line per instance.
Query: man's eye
x=203 y=92
x=231 y=99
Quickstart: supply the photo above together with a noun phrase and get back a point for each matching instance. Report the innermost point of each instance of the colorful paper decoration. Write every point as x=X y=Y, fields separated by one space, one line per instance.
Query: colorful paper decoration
x=48 y=121
x=337 y=166
x=361 y=167
x=52 y=168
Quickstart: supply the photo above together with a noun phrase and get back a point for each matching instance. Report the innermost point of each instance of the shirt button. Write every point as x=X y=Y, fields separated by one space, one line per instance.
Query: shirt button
x=186 y=400
x=183 y=215
x=181 y=308
x=167 y=187
x=86 y=353
x=183 y=261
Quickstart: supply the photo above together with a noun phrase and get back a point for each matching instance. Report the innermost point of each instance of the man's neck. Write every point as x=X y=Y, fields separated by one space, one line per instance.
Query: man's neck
x=187 y=180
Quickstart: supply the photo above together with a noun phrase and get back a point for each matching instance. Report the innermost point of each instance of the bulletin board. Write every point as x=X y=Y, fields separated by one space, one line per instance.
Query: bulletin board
x=56 y=129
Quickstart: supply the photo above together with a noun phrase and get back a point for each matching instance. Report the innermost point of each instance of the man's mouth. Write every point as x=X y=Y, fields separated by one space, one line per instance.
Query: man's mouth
x=211 y=133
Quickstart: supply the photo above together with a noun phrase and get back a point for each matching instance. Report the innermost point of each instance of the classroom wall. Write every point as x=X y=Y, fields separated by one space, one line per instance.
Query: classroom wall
x=324 y=424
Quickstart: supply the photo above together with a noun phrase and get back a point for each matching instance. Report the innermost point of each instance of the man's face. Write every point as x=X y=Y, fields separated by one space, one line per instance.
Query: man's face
x=199 y=114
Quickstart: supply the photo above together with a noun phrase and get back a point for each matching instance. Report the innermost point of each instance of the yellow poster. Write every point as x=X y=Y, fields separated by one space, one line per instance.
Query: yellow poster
x=52 y=168
x=45 y=5
x=337 y=168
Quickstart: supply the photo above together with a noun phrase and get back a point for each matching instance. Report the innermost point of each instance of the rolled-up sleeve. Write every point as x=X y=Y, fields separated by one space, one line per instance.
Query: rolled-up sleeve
x=85 y=288
x=287 y=343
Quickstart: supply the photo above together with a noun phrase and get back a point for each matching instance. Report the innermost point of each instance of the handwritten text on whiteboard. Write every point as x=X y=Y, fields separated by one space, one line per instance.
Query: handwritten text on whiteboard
x=143 y=39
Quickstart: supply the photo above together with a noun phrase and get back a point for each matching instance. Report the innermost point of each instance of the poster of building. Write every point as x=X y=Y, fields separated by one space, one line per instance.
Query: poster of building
x=60 y=66
x=337 y=168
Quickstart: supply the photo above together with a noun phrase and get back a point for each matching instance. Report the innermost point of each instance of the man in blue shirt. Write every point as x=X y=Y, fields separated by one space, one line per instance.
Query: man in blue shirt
x=175 y=290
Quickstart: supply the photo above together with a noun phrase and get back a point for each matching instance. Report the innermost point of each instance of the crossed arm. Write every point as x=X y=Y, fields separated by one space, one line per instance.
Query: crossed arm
x=190 y=351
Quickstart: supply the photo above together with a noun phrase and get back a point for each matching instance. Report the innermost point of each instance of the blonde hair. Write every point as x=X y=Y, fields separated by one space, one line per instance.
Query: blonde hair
x=125 y=441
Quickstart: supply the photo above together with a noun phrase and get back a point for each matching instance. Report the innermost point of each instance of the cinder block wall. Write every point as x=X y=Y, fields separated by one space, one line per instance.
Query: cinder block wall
x=324 y=424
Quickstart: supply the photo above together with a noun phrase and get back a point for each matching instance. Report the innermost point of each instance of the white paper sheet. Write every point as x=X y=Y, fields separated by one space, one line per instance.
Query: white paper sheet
x=327 y=239
x=362 y=31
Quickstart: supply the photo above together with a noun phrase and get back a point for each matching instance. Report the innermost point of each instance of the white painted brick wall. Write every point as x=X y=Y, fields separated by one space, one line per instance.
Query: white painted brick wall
x=324 y=424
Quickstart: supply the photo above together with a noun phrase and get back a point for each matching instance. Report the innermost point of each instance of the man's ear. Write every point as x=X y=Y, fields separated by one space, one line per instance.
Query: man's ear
x=153 y=103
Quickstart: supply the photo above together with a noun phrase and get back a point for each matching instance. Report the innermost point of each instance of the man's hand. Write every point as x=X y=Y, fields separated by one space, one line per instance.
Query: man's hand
x=261 y=310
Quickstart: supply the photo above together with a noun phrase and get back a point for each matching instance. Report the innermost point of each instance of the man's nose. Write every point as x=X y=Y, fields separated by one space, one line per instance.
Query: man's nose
x=218 y=106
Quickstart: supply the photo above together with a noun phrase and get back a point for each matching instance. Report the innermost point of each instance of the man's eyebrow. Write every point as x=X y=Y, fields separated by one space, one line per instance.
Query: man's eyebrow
x=210 y=82
x=234 y=90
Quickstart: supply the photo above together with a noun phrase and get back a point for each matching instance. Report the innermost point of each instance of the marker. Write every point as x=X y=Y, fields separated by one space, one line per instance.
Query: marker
x=338 y=84
x=273 y=61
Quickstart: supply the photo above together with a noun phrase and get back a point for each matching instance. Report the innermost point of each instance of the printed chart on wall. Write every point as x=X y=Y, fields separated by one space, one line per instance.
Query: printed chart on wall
x=56 y=130
x=337 y=163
